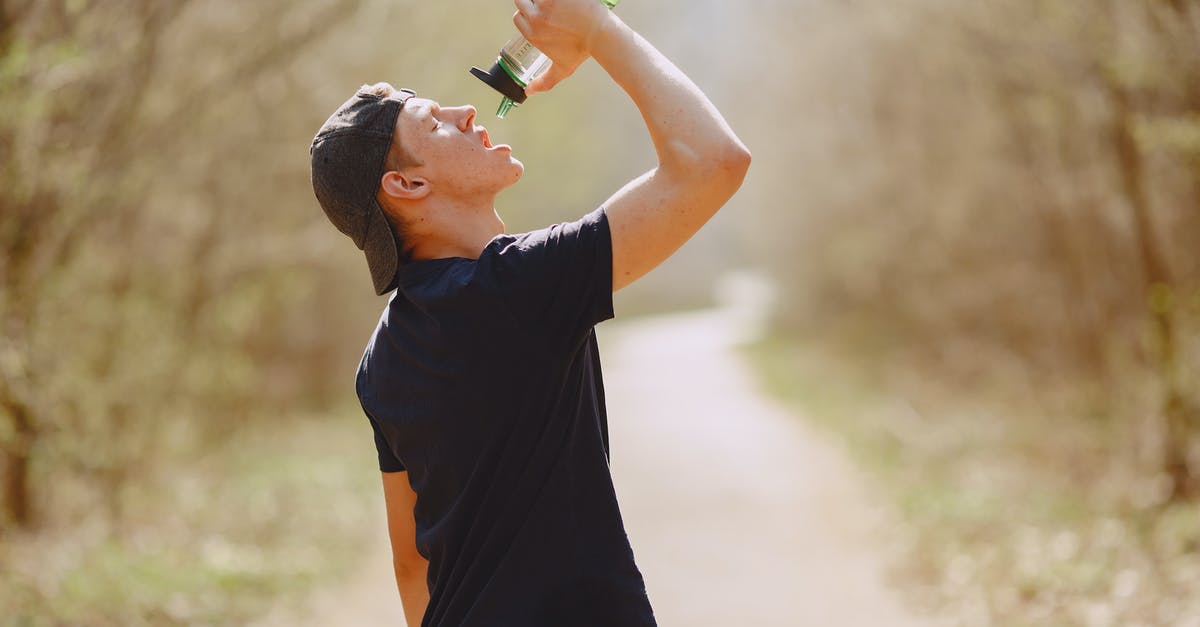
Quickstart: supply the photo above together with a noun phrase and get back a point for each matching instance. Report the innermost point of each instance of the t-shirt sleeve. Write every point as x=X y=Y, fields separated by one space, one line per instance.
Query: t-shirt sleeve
x=388 y=462
x=559 y=279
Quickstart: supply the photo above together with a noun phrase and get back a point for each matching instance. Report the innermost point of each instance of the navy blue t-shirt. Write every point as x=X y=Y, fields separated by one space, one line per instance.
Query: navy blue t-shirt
x=483 y=382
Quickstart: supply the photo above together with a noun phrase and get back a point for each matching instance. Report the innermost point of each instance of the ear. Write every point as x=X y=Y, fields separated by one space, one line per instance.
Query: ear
x=403 y=186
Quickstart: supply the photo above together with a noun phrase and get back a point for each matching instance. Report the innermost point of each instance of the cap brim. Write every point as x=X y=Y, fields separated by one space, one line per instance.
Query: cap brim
x=379 y=246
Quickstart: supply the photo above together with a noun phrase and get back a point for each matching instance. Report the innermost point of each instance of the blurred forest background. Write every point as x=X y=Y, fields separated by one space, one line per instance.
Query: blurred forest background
x=981 y=219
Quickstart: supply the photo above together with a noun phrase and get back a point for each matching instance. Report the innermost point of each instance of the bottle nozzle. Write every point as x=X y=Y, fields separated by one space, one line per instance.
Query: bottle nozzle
x=507 y=104
x=502 y=81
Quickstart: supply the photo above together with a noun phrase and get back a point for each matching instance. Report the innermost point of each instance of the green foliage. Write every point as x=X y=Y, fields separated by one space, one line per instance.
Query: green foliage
x=120 y=258
x=232 y=530
x=168 y=284
x=983 y=232
x=956 y=184
x=1017 y=512
x=1175 y=133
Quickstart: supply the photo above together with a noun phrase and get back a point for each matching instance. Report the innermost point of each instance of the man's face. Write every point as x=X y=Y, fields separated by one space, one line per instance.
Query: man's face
x=456 y=156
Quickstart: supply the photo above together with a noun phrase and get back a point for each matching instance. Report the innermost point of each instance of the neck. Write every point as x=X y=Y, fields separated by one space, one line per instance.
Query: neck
x=455 y=230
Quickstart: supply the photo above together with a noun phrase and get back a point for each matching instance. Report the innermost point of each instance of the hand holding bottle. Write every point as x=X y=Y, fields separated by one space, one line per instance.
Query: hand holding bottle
x=564 y=31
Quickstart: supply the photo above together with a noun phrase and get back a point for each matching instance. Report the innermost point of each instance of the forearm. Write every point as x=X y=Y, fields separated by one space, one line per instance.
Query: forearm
x=687 y=130
x=414 y=592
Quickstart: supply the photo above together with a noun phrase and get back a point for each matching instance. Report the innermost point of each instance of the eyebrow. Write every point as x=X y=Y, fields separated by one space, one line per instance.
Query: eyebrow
x=426 y=111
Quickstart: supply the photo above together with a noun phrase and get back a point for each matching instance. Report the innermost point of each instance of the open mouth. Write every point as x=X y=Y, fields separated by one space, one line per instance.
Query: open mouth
x=487 y=142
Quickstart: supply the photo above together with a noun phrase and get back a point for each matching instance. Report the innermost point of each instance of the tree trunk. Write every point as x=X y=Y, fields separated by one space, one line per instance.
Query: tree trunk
x=1176 y=411
x=18 y=506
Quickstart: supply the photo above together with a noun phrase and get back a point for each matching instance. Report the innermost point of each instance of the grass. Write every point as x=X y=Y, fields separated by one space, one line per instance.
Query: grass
x=1017 y=511
x=214 y=540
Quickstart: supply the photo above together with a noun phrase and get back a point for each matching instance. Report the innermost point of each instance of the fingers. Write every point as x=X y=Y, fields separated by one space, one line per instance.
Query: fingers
x=525 y=10
x=535 y=20
x=521 y=21
x=551 y=77
x=527 y=16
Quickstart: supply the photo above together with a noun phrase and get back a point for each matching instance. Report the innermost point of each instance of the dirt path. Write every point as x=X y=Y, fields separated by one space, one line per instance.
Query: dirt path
x=737 y=513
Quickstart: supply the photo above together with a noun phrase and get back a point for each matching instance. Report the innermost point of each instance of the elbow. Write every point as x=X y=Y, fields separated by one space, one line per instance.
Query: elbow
x=410 y=567
x=731 y=158
x=718 y=168
x=736 y=159
x=731 y=164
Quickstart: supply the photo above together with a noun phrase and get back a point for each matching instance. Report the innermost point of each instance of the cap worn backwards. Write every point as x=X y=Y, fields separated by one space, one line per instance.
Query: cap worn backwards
x=348 y=156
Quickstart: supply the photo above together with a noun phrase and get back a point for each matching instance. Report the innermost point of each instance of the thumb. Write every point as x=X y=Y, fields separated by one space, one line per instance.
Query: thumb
x=548 y=79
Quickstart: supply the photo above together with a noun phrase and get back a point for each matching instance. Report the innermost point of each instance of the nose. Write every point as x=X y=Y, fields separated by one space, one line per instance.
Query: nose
x=466 y=117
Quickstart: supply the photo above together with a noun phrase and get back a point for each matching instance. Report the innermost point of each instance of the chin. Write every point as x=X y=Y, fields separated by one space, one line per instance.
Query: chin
x=518 y=169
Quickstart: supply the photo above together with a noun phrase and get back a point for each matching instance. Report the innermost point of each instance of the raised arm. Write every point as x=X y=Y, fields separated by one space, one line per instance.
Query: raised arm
x=701 y=162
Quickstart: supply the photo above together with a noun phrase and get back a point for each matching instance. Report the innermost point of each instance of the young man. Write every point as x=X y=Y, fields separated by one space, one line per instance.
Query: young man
x=482 y=380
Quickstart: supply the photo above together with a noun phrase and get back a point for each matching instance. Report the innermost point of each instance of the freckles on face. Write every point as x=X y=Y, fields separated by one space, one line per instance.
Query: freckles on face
x=453 y=151
x=453 y=154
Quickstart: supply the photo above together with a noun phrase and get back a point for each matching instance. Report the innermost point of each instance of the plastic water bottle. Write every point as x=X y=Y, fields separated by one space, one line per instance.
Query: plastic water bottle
x=519 y=63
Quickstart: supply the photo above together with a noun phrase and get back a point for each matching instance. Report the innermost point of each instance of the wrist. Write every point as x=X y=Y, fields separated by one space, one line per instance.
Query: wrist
x=605 y=35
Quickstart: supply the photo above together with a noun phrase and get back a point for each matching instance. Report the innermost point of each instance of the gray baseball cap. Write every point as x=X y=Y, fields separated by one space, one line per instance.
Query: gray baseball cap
x=348 y=156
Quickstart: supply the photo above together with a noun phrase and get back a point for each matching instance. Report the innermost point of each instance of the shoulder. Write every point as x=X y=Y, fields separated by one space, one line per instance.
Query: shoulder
x=556 y=280
x=595 y=220
x=548 y=243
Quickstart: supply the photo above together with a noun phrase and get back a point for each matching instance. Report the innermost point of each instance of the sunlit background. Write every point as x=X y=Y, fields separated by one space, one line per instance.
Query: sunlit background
x=955 y=307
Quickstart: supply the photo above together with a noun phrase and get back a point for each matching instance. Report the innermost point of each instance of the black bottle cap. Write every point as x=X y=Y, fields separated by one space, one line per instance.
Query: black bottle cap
x=498 y=79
